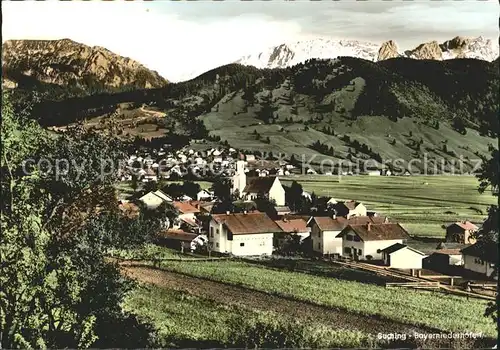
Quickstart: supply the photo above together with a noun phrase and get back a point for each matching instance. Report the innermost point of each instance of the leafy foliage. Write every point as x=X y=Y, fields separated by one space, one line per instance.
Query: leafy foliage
x=57 y=224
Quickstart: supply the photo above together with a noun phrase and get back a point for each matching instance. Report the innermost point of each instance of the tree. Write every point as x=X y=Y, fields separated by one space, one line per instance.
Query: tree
x=134 y=183
x=294 y=196
x=222 y=189
x=191 y=188
x=488 y=177
x=54 y=226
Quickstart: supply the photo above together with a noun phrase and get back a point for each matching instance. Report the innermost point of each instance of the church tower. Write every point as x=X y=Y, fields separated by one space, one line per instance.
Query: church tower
x=239 y=178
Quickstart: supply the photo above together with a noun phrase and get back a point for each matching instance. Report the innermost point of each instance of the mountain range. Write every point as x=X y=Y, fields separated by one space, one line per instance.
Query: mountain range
x=286 y=55
x=71 y=65
x=345 y=108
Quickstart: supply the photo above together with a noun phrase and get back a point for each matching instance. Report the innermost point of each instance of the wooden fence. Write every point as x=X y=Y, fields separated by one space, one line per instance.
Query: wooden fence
x=414 y=285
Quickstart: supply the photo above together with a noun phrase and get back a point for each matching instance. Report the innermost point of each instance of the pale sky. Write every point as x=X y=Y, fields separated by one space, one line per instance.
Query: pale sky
x=176 y=38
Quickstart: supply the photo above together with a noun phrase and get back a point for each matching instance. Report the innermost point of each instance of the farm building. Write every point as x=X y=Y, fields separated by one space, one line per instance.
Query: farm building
x=349 y=209
x=481 y=258
x=324 y=231
x=290 y=227
x=177 y=239
x=400 y=256
x=242 y=234
x=461 y=232
x=445 y=255
x=366 y=242
x=187 y=216
x=152 y=200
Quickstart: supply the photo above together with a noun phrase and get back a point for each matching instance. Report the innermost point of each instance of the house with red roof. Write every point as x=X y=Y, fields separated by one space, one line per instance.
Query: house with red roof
x=290 y=227
x=242 y=234
x=461 y=232
x=187 y=216
x=367 y=241
x=325 y=231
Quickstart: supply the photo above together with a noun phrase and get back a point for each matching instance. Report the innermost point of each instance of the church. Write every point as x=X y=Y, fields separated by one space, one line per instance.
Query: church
x=251 y=188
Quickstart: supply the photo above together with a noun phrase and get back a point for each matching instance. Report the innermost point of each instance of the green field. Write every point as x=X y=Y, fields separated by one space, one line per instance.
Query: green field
x=444 y=312
x=422 y=204
x=184 y=320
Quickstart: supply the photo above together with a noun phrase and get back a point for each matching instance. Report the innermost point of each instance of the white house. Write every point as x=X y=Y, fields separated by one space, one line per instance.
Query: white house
x=350 y=209
x=366 y=242
x=481 y=258
x=324 y=231
x=242 y=234
x=152 y=200
x=268 y=187
x=400 y=256
x=204 y=195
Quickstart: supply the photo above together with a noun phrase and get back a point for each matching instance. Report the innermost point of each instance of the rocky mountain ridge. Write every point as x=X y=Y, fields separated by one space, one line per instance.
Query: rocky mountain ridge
x=287 y=55
x=68 y=63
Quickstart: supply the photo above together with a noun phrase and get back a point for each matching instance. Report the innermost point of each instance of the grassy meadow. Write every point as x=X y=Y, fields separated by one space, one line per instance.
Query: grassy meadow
x=436 y=310
x=185 y=320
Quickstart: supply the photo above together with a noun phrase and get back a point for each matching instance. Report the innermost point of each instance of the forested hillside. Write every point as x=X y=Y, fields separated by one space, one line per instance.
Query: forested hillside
x=396 y=108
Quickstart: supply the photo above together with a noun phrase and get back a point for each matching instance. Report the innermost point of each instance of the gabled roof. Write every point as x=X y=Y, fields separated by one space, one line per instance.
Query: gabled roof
x=351 y=205
x=393 y=248
x=185 y=207
x=177 y=235
x=466 y=225
x=398 y=246
x=327 y=223
x=241 y=223
x=487 y=251
x=294 y=225
x=259 y=184
x=377 y=232
x=446 y=251
x=163 y=195
x=282 y=209
x=451 y=246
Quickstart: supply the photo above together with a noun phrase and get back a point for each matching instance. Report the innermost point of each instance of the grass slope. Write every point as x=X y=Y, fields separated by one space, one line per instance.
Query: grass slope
x=444 y=312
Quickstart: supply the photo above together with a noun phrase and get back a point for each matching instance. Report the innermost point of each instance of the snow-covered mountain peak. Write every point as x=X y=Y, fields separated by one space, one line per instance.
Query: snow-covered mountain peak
x=290 y=54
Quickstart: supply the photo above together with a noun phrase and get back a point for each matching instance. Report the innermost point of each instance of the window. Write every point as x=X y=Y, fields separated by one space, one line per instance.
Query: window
x=360 y=252
x=349 y=238
x=242 y=244
x=347 y=250
x=319 y=245
x=217 y=244
x=217 y=231
x=212 y=234
x=356 y=239
x=211 y=231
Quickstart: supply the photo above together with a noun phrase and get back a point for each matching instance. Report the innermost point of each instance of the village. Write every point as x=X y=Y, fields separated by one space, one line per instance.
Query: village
x=260 y=218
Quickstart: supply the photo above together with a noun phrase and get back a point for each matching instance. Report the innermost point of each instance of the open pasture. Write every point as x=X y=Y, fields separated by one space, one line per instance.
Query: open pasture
x=422 y=204
x=428 y=309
